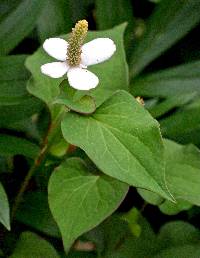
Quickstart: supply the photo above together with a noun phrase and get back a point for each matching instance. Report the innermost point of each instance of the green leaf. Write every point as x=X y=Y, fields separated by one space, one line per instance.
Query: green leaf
x=183 y=125
x=132 y=218
x=85 y=104
x=18 y=24
x=12 y=145
x=177 y=233
x=13 y=76
x=80 y=200
x=108 y=17
x=10 y=114
x=57 y=11
x=171 y=208
x=4 y=208
x=178 y=80
x=47 y=88
x=165 y=27
x=34 y=212
x=150 y=197
x=126 y=245
x=183 y=171
x=6 y=7
x=81 y=255
x=185 y=251
x=123 y=140
x=31 y=245
x=170 y=103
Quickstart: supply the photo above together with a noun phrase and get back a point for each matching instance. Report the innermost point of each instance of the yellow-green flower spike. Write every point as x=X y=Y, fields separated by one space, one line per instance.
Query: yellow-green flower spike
x=76 y=41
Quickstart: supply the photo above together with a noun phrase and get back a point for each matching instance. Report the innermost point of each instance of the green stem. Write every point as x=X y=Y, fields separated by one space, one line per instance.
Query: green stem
x=39 y=159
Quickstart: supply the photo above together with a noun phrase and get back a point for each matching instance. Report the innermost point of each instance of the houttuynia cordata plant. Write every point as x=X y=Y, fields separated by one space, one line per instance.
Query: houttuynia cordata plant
x=99 y=129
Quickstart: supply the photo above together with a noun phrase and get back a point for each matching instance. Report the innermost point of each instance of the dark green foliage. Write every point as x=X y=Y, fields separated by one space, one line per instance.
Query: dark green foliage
x=99 y=173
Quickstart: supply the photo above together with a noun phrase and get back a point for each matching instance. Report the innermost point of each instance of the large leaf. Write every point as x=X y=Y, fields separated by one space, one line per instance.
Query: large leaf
x=171 y=21
x=13 y=76
x=4 y=208
x=47 y=88
x=169 y=82
x=12 y=145
x=80 y=200
x=31 y=245
x=18 y=24
x=123 y=140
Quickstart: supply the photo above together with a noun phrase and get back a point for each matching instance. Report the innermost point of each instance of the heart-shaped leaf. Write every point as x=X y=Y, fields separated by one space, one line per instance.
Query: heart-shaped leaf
x=80 y=200
x=123 y=140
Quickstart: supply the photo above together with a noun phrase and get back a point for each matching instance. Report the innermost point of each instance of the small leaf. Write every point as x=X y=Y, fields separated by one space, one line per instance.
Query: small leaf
x=80 y=200
x=12 y=145
x=18 y=24
x=67 y=97
x=31 y=245
x=123 y=140
x=4 y=208
x=165 y=27
x=150 y=197
x=171 y=208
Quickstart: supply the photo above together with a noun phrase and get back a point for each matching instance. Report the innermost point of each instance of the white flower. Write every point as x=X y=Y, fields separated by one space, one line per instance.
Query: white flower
x=93 y=52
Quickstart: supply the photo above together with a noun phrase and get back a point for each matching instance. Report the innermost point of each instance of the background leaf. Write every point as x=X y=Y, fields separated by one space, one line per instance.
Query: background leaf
x=165 y=27
x=31 y=245
x=80 y=200
x=183 y=125
x=177 y=80
x=12 y=145
x=179 y=160
x=34 y=212
x=57 y=11
x=18 y=24
x=4 y=208
x=13 y=76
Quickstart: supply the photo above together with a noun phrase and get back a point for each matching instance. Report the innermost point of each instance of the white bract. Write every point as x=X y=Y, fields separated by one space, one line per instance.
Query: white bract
x=93 y=52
